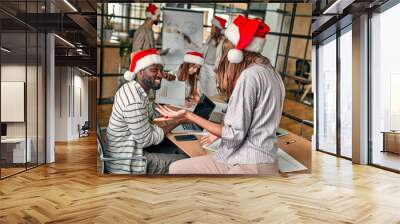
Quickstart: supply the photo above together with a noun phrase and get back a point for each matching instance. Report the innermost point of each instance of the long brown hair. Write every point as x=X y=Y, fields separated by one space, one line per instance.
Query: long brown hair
x=228 y=73
x=217 y=36
x=183 y=75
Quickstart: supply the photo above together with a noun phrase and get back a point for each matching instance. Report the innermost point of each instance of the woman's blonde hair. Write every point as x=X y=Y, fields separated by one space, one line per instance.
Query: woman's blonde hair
x=183 y=75
x=228 y=73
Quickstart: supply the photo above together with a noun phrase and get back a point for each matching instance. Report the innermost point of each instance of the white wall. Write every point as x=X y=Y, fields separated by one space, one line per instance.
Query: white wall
x=33 y=127
x=70 y=84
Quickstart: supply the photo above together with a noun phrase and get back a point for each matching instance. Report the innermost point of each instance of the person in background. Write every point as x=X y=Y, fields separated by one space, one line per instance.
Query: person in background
x=144 y=36
x=208 y=83
x=188 y=72
x=248 y=140
x=130 y=131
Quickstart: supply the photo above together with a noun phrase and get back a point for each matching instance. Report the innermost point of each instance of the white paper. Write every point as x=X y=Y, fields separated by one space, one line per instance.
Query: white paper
x=171 y=92
x=213 y=146
x=281 y=132
x=287 y=163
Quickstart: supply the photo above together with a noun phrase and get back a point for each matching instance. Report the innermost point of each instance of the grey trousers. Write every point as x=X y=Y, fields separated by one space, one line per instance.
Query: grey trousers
x=160 y=156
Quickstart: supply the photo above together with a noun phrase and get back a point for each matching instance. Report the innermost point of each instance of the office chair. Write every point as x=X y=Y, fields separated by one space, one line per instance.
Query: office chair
x=84 y=130
x=102 y=158
x=302 y=70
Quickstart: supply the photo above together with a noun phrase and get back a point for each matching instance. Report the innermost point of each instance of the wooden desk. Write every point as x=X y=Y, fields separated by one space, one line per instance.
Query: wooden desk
x=296 y=146
x=13 y=150
x=391 y=141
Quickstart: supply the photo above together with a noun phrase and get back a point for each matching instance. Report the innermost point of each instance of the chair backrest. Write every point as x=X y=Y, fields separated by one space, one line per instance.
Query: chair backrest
x=302 y=66
x=86 y=125
x=100 y=143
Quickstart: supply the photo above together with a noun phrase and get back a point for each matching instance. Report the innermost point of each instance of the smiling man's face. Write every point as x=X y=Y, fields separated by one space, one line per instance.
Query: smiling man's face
x=151 y=77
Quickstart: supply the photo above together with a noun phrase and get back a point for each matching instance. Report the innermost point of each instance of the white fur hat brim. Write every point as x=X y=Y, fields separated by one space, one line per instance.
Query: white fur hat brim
x=153 y=16
x=147 y=61
x=232 y=33
x=142 y=64
x=216 y=23
x=193 y=59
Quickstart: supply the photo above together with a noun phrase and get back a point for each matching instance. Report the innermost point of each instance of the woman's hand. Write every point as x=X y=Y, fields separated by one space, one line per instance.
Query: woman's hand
x=168 y=76
x=208 y=140
x=169 y=114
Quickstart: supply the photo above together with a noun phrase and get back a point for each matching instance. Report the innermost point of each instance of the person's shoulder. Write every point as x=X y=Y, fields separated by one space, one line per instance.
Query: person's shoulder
x=253 y=71
x=131 y=88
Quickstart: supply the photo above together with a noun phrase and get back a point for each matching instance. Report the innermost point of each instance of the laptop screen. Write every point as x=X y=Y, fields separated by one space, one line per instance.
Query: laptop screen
x=3 y=129
x=205 y=107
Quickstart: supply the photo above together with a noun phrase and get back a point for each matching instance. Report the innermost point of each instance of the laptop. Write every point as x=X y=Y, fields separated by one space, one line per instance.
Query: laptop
x=203 y=109
x=3 y=131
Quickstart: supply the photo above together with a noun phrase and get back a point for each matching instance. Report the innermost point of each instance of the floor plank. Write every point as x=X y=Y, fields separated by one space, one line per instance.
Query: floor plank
x=70 y=191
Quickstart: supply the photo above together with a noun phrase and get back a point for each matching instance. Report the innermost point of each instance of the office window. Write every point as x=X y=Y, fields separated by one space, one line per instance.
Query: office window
x=208 y=13
x=346 y=94
x=327 y=96
x=229 y=11
x=385 y=89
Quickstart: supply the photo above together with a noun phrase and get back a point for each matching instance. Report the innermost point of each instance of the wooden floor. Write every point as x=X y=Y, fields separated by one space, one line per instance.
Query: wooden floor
x=70 y=191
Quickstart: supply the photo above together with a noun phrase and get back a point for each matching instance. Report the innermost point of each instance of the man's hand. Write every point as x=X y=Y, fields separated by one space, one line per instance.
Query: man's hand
x=169 y=114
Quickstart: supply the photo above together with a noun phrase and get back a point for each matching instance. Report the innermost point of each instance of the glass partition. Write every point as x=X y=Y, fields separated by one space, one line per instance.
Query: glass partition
x=326 y=106
x=346 y=93
x=385 y=89
x=22 y=88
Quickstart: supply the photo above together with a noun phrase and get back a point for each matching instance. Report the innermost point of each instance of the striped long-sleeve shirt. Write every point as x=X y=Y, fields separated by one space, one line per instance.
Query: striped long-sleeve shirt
x=129 y=129
x=253 y=115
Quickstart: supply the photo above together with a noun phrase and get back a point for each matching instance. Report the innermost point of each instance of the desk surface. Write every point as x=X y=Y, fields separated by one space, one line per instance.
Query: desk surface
x=13 y=140
x=296 y=146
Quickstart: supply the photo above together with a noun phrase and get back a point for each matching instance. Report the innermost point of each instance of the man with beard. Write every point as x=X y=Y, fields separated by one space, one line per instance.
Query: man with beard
x=129 y=131
x=144 y=35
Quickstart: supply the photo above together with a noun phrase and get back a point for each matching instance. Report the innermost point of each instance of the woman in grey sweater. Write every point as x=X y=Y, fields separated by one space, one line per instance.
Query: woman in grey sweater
x=256 y=94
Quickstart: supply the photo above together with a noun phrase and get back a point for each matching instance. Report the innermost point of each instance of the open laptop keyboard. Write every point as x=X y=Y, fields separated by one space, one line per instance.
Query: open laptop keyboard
x=190 y=127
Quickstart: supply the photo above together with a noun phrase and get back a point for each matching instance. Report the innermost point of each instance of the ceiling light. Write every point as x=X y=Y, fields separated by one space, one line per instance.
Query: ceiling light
x=338 y=6
x=84 y=71
x=5 y=49
x=65 y=41
x=70 y=5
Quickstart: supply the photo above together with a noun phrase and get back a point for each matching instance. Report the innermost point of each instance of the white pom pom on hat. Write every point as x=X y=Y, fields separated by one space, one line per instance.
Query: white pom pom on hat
x=235 y=56
x=152 y=12
x=129 y=76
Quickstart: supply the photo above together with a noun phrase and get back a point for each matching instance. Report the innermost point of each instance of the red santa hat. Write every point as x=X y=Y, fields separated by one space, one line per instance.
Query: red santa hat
x=152 y=12
x=141 y=60
x=246 y=34
x=194 y=58
x=218 y=22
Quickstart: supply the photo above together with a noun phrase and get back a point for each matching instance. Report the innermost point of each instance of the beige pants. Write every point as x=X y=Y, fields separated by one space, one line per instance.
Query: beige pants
x=207 y=165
